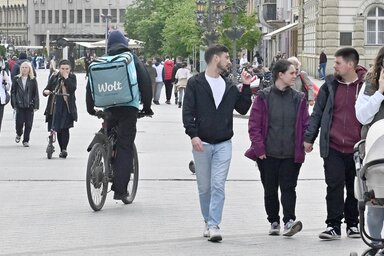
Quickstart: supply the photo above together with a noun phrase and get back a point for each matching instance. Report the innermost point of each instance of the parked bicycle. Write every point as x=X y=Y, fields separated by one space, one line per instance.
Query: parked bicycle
x=100 y=166
x=52 y=133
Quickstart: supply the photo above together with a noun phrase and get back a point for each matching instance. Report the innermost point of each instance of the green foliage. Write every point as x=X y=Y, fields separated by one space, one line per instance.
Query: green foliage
x=3 y=50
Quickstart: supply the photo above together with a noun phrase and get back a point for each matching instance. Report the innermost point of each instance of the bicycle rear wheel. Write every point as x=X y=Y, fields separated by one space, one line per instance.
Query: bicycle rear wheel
x=134 y=180
x=97 y=177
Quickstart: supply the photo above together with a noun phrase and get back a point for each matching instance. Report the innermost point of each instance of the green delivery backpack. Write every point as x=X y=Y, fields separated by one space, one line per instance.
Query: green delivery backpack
x=113 y=80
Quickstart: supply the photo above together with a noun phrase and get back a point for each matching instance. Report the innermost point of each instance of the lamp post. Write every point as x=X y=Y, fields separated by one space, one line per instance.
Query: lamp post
x=7 y=21
x=107 y=18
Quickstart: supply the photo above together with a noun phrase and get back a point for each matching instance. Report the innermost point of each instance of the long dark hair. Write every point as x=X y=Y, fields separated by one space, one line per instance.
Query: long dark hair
x=373 y=75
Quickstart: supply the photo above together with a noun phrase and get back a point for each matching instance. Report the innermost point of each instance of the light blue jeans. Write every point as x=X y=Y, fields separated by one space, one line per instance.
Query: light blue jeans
x=375 y=219
x=212 y=165
x=159 y=86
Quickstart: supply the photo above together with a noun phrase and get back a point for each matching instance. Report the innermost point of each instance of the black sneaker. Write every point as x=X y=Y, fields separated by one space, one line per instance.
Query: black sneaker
x=117 y=196
x=331 y=233
x=63 y=154
x=353 y=232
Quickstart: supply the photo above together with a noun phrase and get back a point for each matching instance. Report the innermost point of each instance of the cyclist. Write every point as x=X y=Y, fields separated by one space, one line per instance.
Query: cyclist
x=124 y=117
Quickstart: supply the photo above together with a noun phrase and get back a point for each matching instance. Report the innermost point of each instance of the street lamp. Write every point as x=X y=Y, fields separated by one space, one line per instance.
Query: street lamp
x=107 y=18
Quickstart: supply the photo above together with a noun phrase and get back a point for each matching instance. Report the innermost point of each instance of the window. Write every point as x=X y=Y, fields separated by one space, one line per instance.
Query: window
x=104 y=11
x=57 y=16
x=96 y=15
x=122 y=15
x=36 y=17
x=346 y=38
x=71 y=16
x=375 y=26
x=88 y=16
x=79 y=16
x=64 y=16
x=114 y=15
x=49 y=16
x=42 y=16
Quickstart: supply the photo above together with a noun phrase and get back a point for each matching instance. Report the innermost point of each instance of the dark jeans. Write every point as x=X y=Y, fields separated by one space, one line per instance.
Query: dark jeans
x=125 y=119
x=340 y=171
x=283 y=173
x=168 y=89
x=63 y=138
x=24 y=119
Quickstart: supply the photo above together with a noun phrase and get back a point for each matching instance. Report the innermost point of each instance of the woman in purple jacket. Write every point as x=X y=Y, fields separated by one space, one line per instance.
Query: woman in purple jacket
x=276 y=128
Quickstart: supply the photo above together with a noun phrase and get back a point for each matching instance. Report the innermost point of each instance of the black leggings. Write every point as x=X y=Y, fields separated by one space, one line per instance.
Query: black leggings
x=63 y=138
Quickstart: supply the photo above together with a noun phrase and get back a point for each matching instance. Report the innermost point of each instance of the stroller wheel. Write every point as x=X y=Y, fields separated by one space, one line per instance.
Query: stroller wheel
x=370 y=252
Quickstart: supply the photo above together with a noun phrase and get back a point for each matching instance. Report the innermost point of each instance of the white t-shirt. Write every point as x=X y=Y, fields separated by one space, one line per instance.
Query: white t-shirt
x=218 y=88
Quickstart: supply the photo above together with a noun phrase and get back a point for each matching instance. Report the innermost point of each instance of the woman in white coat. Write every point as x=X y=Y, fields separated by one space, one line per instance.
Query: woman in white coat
x=5 y=87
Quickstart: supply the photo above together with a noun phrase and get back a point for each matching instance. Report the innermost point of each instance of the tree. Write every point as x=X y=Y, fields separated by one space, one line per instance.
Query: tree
x=181 y=33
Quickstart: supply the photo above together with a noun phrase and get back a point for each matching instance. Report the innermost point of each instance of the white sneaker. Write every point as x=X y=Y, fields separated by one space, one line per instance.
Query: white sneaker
x=214 y=235
x=292 y=227
x=206 y=230
x=275 y=229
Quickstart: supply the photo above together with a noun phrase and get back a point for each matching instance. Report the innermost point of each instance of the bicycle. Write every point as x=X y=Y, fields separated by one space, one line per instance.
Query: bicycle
x=52 y=133
x=102 y=150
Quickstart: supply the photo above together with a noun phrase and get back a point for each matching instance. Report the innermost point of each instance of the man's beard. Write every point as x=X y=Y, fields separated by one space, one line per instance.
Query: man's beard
x=222 y=69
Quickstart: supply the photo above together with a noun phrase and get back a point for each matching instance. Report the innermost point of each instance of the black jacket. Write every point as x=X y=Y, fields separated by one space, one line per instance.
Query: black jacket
x=143 y=79
x=28 y=98
x=200 y=116
x=71 y=84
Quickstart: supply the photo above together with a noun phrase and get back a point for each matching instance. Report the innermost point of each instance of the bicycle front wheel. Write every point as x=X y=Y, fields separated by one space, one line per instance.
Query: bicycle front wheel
x=97 y=177
x=134 y=180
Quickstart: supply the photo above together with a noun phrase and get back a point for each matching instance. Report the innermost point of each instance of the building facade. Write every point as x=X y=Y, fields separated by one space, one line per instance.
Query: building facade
x=82 y=20
x=13 y=22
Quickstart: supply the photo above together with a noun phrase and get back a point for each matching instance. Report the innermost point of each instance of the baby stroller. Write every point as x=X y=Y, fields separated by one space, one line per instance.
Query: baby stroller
x=369 y=183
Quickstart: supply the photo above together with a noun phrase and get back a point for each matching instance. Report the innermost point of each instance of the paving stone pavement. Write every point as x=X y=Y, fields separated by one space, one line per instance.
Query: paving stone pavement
x=44 y=209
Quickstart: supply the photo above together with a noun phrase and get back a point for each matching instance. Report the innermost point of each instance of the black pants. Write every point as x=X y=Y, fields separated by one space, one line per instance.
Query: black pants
x=275 y=173
x=1 y=114
x=125 y=119
x=340 y=171
x=63 y=138
x=168 y=89
x=24 y=119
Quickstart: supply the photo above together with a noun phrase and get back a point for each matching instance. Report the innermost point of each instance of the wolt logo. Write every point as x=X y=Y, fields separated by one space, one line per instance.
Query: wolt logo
x=105 y=87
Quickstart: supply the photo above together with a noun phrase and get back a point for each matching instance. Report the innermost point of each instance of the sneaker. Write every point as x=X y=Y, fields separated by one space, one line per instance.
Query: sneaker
x=331 y=233
x=117 y=196
x=292 y=227
x=25 y=144
x=353 y=232
x=206 y=230
x=168 y=102
x=214 y=234
x=156 y=102
x=17 y=139
x=63 y=154
x=275 y=229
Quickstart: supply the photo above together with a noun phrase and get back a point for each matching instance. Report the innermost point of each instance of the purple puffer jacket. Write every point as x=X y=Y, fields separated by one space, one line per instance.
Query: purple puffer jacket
x=258 y=127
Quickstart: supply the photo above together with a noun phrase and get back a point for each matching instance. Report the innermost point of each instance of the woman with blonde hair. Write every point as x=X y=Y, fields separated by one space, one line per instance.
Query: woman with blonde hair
x=24 y=100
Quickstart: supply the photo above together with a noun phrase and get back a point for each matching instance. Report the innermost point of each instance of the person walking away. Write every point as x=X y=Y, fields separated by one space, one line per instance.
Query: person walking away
x=278 y=155
x=322 y=64
x=24 y=100
x=209 y=102
x=302 y=81
x=152 y=73
x=159 y=80
x=334 y=114
x=168 y=68
x=52 y=66
x=124 y=117
x=63 y=105
x=5 y=87
x=182 y=76
x=369 y=109
x=178 y=64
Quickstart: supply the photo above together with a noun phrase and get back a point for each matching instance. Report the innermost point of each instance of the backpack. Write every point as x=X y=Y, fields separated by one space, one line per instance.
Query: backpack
x=112 y=80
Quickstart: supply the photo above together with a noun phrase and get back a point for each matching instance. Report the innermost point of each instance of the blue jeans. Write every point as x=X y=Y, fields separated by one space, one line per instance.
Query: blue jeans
x=212 y=167
x=322 y=70
x=159 y=86
x=375 y=219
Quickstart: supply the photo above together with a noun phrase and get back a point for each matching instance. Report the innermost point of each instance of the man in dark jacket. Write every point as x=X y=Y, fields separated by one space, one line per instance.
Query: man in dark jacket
x=208 y=107
x=334 y=114
x=178 y=64
x=124 y=117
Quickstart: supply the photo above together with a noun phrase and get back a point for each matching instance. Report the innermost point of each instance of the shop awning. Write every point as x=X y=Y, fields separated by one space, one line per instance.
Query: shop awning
x=280 y=30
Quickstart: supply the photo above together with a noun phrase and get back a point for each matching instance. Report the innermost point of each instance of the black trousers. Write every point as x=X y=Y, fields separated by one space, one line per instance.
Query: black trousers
x=63 y=138
x=125 y=119
x=275 y=173
x=1 y=114
x=340 y=172
x=168 y=89
x=24 y=119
